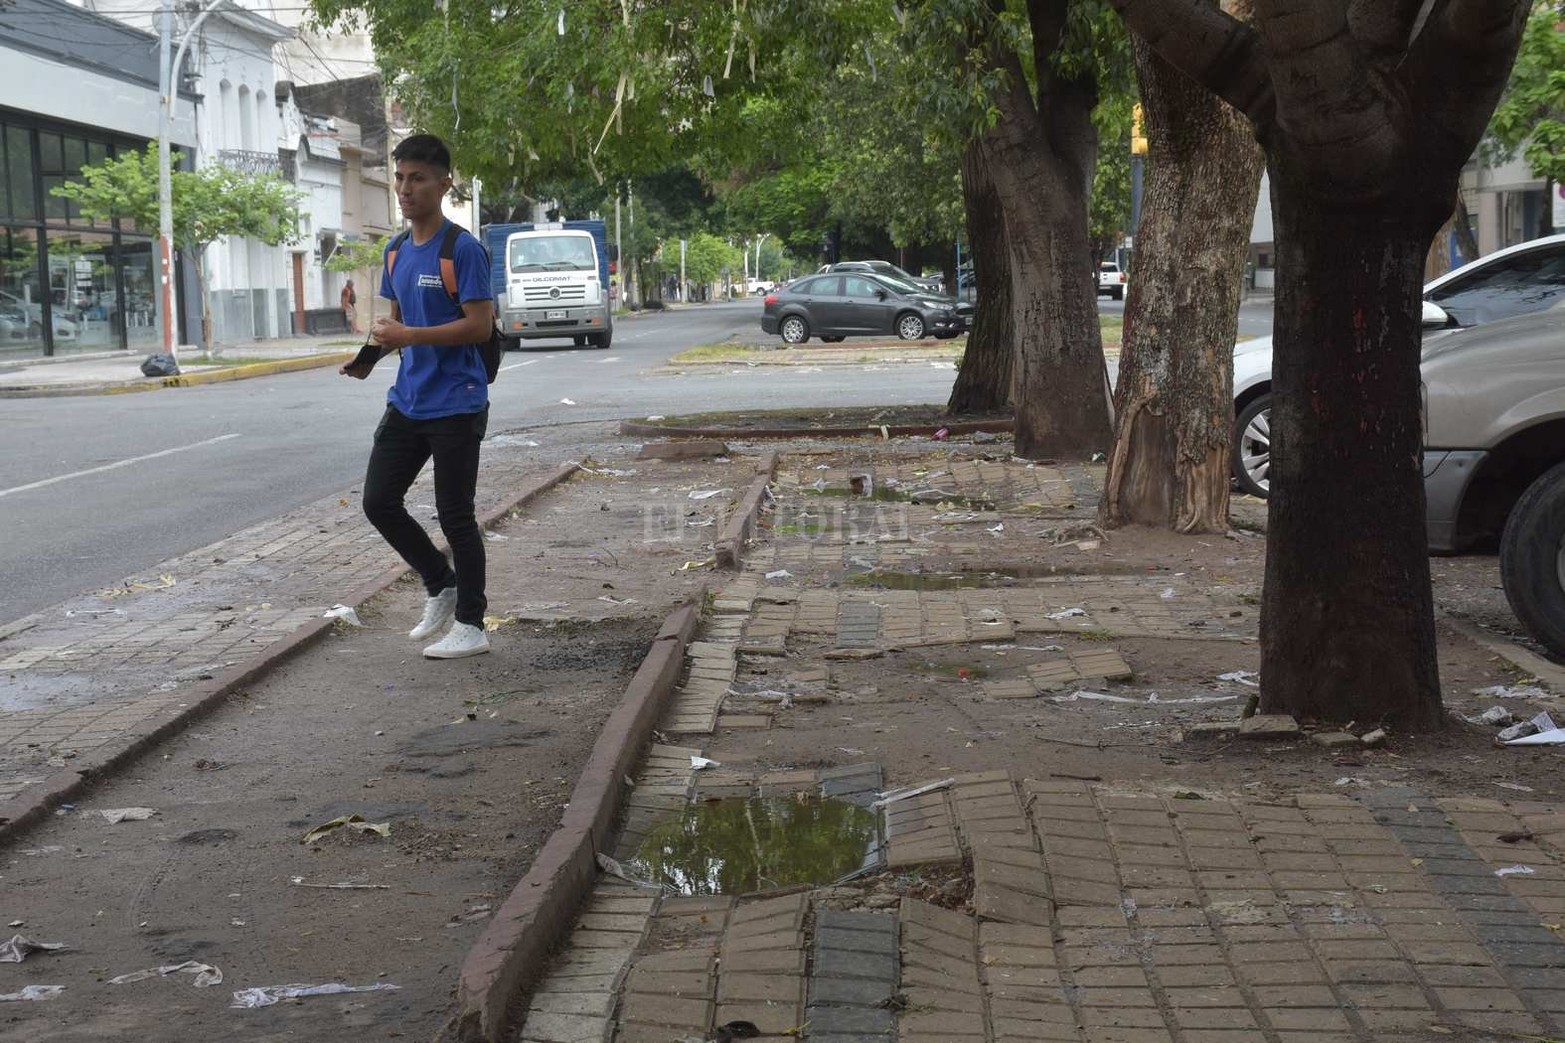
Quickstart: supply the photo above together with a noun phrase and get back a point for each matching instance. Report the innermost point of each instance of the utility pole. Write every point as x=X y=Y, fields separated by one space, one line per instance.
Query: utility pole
x=168 y=96
x=683 y=295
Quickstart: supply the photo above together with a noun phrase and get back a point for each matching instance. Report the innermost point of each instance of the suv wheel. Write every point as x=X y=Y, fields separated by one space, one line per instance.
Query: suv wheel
x=794 y=330
x=910 y=327
x=1532 y=559
x=1252 y=450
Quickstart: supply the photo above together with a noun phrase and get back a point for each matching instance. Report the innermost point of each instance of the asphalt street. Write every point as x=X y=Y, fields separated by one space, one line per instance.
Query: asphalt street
x=95 y=489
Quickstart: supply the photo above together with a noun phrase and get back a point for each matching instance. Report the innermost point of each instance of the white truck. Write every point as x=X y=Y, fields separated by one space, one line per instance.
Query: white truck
x=552 y=281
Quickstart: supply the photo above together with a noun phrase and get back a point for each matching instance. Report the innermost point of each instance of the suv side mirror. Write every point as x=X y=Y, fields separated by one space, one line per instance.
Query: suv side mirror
x=1434 y=316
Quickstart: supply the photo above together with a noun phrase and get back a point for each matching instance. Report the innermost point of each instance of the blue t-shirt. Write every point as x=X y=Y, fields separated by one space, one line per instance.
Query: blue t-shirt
x=436 y=381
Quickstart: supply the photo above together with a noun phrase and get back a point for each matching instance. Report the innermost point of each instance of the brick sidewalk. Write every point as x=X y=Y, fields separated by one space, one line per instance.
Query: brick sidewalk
x=1102 y=912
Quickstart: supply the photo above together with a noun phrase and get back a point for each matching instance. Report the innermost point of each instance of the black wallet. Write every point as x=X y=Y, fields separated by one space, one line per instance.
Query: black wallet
x=368 y=355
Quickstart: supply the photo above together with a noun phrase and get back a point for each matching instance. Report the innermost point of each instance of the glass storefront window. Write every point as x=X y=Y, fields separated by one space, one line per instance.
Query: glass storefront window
x=141 y=307
x=82 y=292
x=21 y=301
x=19 y=174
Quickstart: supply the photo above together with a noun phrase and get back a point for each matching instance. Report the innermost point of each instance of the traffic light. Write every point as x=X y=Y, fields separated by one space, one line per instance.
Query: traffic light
x=1138 y=138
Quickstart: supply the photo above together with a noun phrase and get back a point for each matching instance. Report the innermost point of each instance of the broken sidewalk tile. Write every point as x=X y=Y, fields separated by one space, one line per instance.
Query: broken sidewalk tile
x=1334 y=740
x=1269 y=726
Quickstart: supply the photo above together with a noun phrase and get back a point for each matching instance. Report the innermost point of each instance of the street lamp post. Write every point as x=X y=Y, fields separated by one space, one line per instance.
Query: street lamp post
x=168 y=96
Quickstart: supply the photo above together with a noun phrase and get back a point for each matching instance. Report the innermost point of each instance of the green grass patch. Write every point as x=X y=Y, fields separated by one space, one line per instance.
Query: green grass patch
x=719 y=353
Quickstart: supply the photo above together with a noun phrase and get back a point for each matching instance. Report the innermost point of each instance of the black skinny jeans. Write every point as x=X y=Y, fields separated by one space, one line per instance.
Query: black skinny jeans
x=402 y=447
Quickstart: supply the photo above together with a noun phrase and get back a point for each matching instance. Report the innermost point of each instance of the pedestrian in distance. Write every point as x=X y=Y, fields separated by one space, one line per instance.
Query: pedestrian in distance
x=350 y=307
x=439 y=406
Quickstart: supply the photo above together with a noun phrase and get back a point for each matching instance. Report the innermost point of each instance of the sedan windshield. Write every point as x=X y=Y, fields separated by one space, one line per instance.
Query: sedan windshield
x=551 y=253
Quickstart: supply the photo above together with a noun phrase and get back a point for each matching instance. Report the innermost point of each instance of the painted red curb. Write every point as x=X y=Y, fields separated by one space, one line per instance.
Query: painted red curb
x=958 y=427
x=730 y=545
x=25 y=809
x=513 y=951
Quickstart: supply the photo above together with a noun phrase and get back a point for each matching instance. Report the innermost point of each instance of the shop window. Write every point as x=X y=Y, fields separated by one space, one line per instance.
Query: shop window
x=19 y=174
x=21 y=302
x=137 y=276
x=82 y=292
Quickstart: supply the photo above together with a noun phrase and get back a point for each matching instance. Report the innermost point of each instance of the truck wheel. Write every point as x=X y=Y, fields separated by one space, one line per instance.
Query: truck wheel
x=1532 y=559
x=601 y=340
x=579 y=340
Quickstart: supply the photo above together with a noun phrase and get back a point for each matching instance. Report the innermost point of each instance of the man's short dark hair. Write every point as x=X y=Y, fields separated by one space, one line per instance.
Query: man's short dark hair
x=424 y=148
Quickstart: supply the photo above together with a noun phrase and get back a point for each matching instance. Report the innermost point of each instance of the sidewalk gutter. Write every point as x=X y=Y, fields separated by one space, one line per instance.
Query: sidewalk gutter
x=214 y=376
x=960 y=427
x=36 y=801
x=730 y=545
x=513 y=951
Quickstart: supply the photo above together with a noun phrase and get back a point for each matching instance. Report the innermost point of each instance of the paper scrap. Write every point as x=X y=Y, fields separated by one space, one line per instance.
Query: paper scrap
x=127 y=814
x=206 y=974
x=266 y=995
x=20 y=947
x=344 y=613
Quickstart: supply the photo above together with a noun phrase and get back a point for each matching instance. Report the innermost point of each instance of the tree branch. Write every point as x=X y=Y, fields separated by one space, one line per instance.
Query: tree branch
x=1212 y=48
x=1047 y=18
x=1383 y=27
x=1460 y=63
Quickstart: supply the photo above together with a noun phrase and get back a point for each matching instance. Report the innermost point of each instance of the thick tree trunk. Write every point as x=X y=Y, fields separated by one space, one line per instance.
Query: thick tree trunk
x=1174 y=400
x=1347 y=617
x=1042 y=161
x=983 y=381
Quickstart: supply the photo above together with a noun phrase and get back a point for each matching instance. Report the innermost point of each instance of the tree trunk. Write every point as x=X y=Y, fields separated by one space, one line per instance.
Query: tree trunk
x=983 y=380
x=1174 y=401
x=1346 y=418
x=206 y=303
x=1041 y=160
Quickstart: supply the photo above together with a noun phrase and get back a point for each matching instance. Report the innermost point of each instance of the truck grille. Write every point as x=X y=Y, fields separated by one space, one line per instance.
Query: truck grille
x=540 y=294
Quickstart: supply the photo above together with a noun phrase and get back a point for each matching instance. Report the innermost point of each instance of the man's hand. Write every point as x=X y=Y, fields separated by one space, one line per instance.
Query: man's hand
x=391 y=334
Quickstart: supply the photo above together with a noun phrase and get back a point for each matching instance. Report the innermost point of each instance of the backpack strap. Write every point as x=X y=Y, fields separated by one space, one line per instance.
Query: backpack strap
x=391 y=251
x=452 y=232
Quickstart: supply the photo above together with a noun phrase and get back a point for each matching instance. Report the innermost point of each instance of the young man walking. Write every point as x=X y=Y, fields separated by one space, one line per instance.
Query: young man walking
x=439 y=406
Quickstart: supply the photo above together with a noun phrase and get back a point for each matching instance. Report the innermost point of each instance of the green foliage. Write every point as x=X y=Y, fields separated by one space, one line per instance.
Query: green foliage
x=358 y=255
x=207 y=204
x=707 y=257
x=1108 y=214
x=1531 y=115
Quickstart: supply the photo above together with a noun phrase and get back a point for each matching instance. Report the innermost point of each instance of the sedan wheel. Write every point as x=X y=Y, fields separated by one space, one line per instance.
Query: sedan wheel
x=794 y=330
x=910 y=327
x=1532 y=559
x=1252 y=453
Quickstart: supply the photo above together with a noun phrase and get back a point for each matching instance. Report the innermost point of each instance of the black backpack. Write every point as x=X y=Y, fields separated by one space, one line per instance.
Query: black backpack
x=492 y=350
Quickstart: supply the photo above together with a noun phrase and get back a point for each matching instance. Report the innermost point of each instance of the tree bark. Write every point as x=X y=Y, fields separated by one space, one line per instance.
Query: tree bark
x=1174 y=401
x=1041 y=159
x=1347 y=618
x=983 y=380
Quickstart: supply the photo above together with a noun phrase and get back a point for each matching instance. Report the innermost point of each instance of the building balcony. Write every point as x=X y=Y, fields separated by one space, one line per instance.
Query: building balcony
x=247 y=162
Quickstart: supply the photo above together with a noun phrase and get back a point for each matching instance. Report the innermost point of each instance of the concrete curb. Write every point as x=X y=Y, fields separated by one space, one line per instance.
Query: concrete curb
x=1551 y=674
x=512 y=952
x=216 y=376
x=730 y=545
x=22 y=811
x=960 y=427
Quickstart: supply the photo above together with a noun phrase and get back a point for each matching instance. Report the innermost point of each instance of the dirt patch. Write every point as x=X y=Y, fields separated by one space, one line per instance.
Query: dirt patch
x=466 y=766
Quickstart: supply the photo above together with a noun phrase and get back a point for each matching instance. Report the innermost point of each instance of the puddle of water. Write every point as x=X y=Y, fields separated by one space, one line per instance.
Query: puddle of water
x=739 y=845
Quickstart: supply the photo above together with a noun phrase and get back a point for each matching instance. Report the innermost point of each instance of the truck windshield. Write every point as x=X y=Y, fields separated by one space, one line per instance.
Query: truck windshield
x=555 y=253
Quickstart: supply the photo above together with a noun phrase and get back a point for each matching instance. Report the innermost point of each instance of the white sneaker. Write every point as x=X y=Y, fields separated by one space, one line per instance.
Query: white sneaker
x=463 y=640
x=438 y=611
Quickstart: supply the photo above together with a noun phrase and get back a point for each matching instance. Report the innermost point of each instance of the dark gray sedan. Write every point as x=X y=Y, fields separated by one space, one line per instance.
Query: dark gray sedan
x=836 y=305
